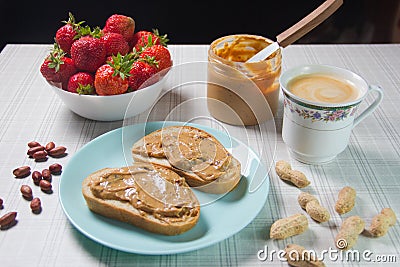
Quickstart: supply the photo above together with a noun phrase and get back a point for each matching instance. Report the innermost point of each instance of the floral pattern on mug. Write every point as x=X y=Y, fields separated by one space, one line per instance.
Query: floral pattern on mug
x=326 y=115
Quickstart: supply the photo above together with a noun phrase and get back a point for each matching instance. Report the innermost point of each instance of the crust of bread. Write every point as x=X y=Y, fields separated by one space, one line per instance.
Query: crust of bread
x=125 y=212
x=223 y=184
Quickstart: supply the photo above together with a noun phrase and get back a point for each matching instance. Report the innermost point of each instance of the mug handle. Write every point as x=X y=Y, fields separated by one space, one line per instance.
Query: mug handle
x=373 y=106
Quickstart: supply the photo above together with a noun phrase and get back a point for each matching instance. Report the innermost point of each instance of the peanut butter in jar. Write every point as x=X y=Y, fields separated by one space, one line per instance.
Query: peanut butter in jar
x=241 y=93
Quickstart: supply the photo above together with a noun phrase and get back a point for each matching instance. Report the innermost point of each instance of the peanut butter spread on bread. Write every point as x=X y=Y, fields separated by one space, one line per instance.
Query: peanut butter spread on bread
x=151 y=189
x=189 y=149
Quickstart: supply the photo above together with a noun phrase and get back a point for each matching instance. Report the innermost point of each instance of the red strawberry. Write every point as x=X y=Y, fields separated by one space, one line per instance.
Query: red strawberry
x=65 y=35
x=81 y=83
x=112 y=78
x=140 y=73
x=48 y=70
x=160 y=54
x=115 y=43
x=89 y=53
x=145 y=38
x=67 y=69
x=120 y=24
x=57 y=67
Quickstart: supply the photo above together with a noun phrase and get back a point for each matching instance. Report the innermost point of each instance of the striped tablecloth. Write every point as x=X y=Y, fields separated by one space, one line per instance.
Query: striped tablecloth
x=370 y=164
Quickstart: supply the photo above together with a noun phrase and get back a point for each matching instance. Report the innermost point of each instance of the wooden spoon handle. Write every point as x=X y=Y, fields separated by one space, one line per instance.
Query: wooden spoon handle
x=308 y=23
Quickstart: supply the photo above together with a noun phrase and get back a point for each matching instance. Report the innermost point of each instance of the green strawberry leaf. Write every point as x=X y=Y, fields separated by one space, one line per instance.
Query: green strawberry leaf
x=85 y=89
x=163 y=38
x=122 y=65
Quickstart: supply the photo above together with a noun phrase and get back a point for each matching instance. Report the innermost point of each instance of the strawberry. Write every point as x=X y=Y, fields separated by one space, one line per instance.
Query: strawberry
x=112 y=78
x=160 y=54
x=89 y=53
x=140 y=73
x=65 y=35
x=57 y=67
x=81 y=83
x=115 y=43
x=146 y=38
x=121 y=24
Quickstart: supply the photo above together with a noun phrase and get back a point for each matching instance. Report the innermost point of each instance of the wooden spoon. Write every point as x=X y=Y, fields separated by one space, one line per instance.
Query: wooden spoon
x=299 y=29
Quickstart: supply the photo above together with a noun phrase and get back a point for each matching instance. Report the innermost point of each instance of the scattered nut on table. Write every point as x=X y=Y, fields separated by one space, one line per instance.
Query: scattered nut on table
x=33 y=144
x=46 y=175
x=36 y=205
x=49 y=146
x=36 y=177
x=312 y=206
x=55 y=168
x=285 y=172
x=382 y=222
x=298 y=256
x=45 y=186
x=346 y=200
x=57 y=152
x=26 y=191
x=8 y=220
x=349 y=231
x=290 y=226
x=33 y=150
x=22 y=171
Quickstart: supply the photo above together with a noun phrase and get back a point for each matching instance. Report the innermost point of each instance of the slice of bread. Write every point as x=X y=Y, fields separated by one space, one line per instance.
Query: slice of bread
x=192 y=153
x=148 y=196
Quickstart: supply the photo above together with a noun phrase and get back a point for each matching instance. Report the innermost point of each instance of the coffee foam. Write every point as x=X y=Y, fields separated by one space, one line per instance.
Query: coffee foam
x=323 y=88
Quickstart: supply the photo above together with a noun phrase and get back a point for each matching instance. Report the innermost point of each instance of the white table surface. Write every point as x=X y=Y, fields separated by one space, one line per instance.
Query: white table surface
x=29 y=110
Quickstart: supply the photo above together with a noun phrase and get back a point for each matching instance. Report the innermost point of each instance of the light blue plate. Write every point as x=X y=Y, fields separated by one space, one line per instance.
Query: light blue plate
x=220 y=216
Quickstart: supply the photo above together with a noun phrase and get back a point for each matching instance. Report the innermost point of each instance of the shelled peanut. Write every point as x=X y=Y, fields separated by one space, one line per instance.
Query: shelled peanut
x=380 y=223
x=8 y=220
x=346 y=200
x=40 y=178
x=298 y=256
x=36 y=205
x=290 y=226
x=349 y=231
x=312 y=206
x=285 y=172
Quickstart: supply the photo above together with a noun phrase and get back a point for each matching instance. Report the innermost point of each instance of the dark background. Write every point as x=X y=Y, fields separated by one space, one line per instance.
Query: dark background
x=200 y=22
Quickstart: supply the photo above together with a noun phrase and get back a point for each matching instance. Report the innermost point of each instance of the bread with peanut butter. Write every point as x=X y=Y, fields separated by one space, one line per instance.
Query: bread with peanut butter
x=148 y=196
x=192 y=153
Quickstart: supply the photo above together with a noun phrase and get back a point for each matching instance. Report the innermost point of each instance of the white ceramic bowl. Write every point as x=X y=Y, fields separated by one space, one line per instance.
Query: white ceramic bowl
x=113 y=107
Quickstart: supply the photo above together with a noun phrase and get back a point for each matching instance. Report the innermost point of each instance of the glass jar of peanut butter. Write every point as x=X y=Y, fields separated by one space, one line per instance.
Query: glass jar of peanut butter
x=241 y=93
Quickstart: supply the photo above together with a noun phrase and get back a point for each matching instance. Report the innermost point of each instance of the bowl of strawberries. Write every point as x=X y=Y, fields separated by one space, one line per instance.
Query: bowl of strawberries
x=107 y=74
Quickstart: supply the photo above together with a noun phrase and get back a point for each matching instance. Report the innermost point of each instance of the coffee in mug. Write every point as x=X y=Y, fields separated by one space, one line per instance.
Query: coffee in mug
x=322 y=88
x=320 y=110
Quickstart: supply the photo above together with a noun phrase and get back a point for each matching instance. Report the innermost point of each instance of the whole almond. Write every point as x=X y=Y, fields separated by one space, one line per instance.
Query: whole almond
x=36 y=177
x=45 y=186
x=36 y=205
x=34 y=149
x=55 y=168
x=49 y=146
x=26 y=191
x=33 y=144
x=46 y=175
x=22 y=171
x=8 y=218
x=57 y=151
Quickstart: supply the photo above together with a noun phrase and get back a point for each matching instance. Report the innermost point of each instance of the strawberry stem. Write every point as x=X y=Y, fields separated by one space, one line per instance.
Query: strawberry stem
x=122 y=65
x=72 y=22
x=85 y=89
x=55 y=57
x=163 y=38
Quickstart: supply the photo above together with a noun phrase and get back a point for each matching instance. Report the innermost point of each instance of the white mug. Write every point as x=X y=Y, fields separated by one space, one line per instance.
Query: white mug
x=316 y=132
